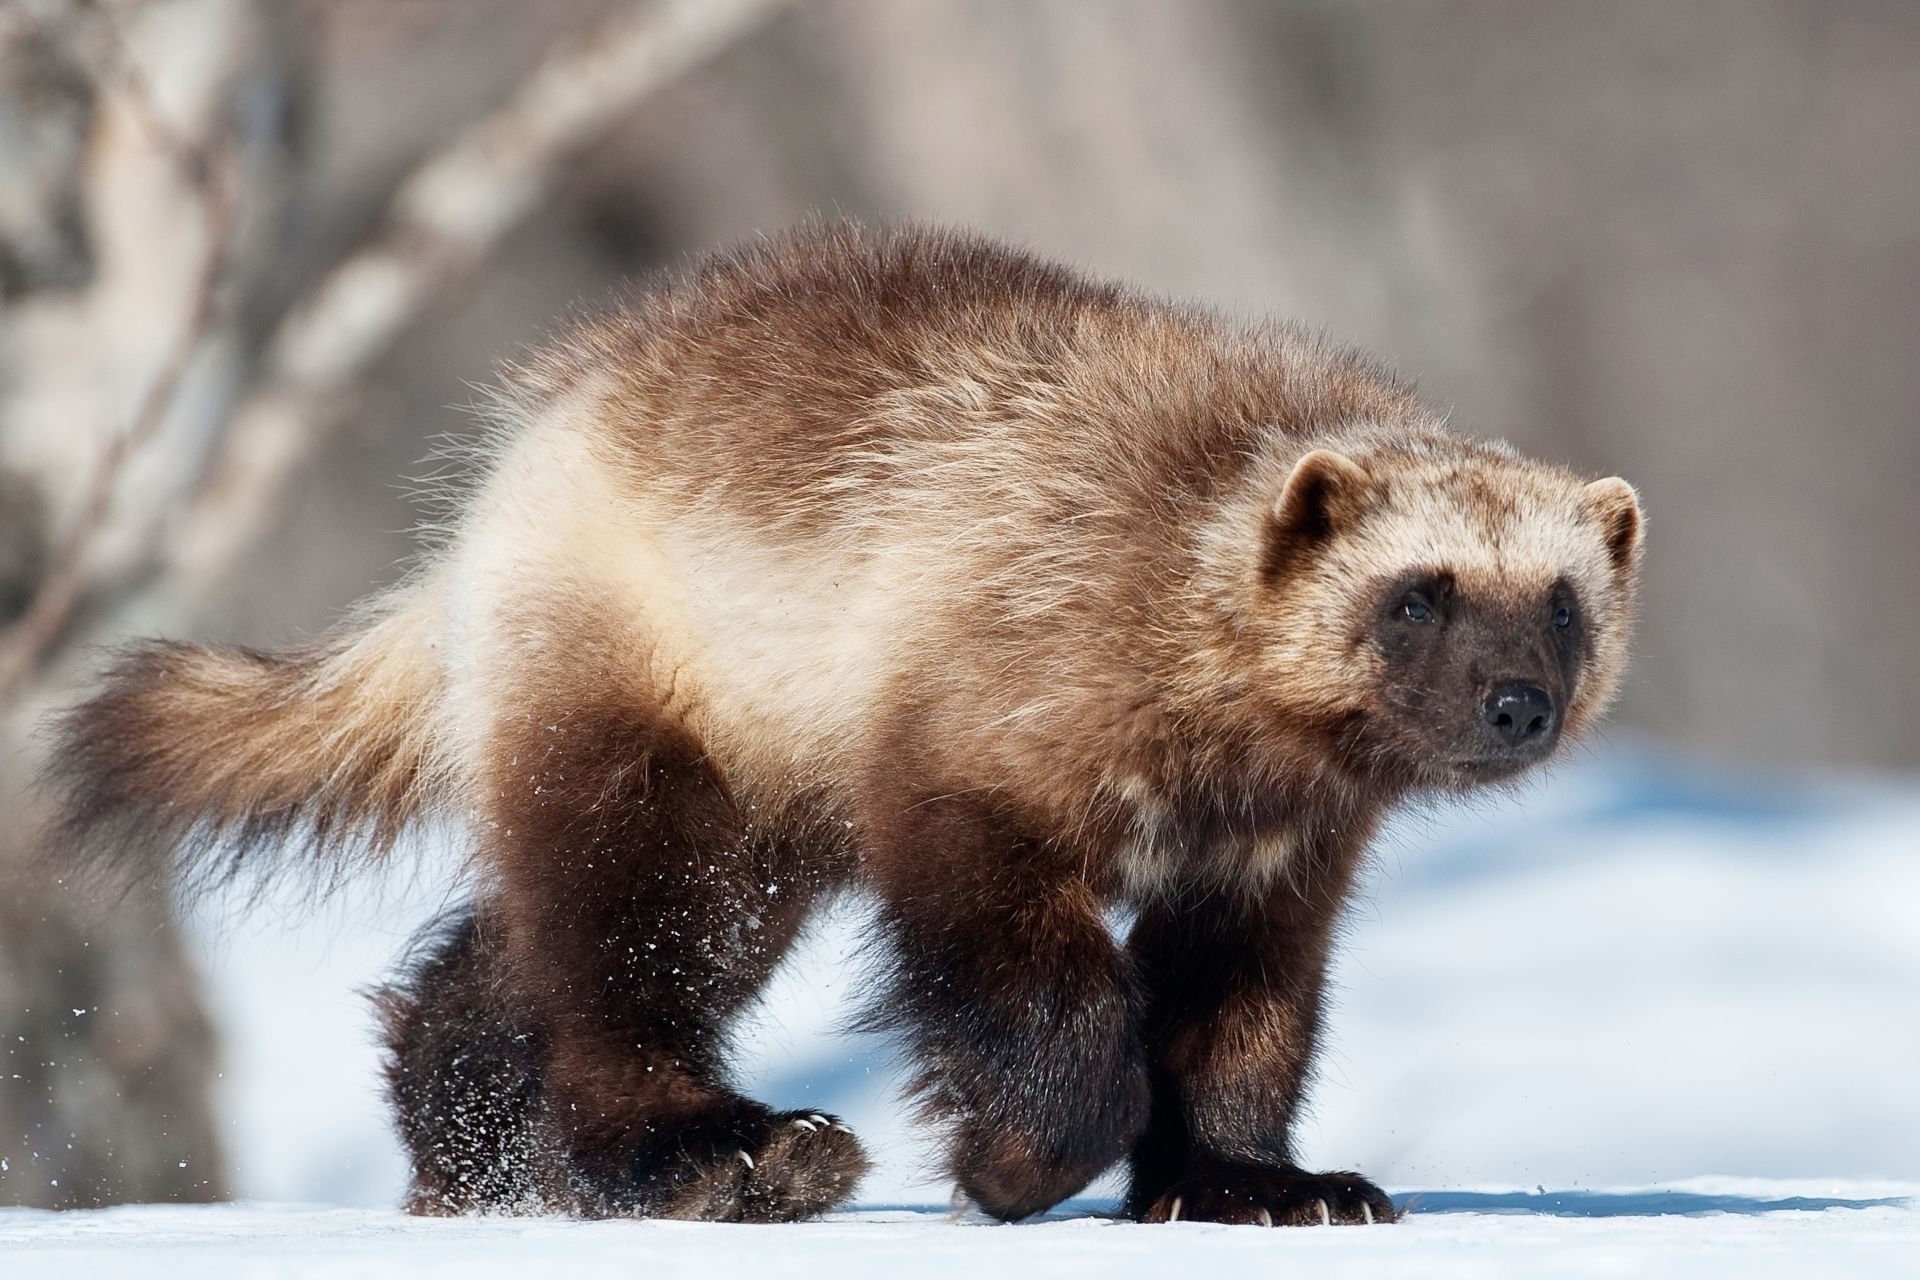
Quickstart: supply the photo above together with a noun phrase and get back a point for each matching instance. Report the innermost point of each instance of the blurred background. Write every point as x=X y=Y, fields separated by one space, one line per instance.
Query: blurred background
x=256 y=256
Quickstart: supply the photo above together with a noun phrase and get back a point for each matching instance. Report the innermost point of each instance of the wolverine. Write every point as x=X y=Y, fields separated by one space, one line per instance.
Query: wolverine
x=910 y=565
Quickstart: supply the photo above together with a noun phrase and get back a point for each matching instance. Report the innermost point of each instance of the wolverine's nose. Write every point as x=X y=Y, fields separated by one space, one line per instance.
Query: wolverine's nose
x=1520 y=715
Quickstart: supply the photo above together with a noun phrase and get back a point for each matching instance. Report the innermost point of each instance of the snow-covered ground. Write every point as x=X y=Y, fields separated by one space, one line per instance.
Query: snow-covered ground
x=1749 y=1233
x=1639 y=975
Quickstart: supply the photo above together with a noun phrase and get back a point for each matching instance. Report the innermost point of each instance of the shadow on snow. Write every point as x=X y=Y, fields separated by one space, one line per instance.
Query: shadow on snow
x=1551 y=1204
x=1621 y=1204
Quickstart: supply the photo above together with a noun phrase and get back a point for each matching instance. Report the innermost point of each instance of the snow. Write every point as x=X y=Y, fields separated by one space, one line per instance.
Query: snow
x=1638 y=974
x=1702 y=1233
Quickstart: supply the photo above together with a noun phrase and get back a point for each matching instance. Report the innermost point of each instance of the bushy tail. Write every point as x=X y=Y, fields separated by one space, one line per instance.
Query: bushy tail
x=326 y=751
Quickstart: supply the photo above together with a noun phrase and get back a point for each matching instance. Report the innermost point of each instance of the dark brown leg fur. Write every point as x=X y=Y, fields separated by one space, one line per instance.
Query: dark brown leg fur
x=465 y=1075
x=639 y=911
x=1233 y=1010
x=1008 y=991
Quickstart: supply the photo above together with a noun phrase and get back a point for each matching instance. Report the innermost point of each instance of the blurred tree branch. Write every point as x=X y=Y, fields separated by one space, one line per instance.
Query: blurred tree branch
x=441 y=222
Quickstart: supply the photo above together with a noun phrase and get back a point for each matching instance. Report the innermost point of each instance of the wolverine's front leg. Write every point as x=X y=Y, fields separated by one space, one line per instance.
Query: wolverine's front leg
x=1010 y=996
x=1233 y=1012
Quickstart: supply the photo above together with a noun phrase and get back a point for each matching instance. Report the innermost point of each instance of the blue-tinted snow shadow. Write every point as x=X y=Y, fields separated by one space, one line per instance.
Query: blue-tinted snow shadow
x=1596 y=807
x=1550 y=1204
x=1066 y=1210
x=830 y=1080
x=1622 y=1204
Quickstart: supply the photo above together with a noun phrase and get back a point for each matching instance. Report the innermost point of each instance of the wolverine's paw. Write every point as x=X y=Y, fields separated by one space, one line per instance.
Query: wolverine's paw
x=808 y=1163
x=1006 y=1175
x=1024 y=1152
x=778 y=1167
x=1272 y=1198
x=1014 y=1172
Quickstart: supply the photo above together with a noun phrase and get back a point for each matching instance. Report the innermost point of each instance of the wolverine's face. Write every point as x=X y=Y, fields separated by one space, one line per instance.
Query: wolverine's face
x=1450 y=618
x=1474 y=684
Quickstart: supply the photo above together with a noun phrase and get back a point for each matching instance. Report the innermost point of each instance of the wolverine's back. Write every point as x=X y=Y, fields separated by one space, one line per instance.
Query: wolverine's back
x=840 y=470
x=800 y=374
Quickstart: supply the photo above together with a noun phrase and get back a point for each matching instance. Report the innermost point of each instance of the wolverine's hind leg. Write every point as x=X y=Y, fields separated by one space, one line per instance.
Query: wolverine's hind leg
x=465 y=1077
x=639 y=911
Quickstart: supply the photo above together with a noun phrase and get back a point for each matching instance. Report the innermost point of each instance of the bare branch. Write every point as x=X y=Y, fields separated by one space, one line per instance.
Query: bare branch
x=442 y=221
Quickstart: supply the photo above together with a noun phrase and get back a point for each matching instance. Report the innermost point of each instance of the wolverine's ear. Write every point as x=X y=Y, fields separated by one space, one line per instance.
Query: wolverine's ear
x=1613 y=503
x=1324 y=491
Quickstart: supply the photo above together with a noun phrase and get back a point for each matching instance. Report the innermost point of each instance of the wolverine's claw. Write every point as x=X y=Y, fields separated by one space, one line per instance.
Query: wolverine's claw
x=817 y=1118
x=808 y=1125
x=1276 y=1197
x=745 y=1158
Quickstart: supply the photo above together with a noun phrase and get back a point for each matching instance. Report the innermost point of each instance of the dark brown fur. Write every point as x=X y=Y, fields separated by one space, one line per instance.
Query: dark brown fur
x=911 y=564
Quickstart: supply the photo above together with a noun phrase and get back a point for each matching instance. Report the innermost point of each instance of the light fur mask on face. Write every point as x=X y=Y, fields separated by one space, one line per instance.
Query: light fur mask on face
x=1500 y=527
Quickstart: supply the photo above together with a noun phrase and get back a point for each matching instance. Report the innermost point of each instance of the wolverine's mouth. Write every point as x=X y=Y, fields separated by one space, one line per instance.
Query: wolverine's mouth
x=1489 y=768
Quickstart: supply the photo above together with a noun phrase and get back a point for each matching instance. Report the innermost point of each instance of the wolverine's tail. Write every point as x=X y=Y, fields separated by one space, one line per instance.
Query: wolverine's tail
x=219 y=753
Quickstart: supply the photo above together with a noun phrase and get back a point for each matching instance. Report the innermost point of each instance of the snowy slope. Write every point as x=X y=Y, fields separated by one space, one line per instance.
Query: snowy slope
x=1636 y=974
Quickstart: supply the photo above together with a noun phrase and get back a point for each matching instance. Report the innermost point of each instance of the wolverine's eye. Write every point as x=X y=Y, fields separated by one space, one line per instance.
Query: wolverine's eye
x=1416 y=608
x=1563 y=617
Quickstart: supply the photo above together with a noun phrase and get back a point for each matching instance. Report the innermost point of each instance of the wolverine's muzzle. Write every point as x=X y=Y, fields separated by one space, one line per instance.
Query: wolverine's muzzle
x=1518 y=726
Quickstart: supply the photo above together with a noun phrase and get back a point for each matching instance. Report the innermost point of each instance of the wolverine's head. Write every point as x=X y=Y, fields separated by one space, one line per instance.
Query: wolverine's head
x=1448 y=613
